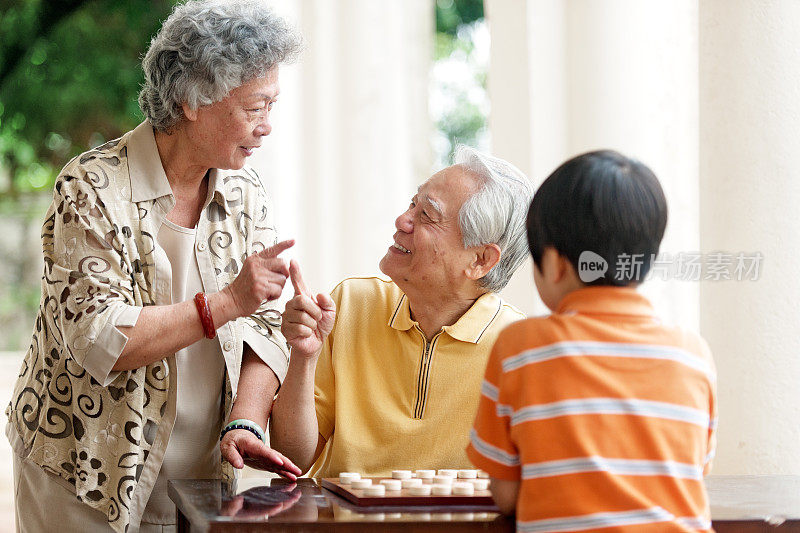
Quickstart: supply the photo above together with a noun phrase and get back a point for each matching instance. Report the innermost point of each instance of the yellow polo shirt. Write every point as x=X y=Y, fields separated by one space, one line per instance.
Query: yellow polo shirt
x=386 y=398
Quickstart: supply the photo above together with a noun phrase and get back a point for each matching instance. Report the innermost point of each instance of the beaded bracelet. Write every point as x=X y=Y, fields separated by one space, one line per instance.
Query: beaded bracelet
x=201 y=302
x=243 y=423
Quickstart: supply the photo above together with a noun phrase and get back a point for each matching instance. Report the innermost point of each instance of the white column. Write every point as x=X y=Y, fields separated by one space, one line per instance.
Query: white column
x=750 y=156
x=351 y=132
x=571 y=76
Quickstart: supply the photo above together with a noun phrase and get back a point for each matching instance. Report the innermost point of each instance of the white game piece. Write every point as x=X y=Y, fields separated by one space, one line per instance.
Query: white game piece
x=482 y=475
x=441 y=517
x=394 y=516
x=463 y=489
x=425 y=474
x=441 y=490
x=401 y=474
x=448 y=472
x=480 y=484
x=392 y=484
x=467 y=474
x=375 y=490
x=468 y=517
x=420 y=490
x=408 y=483
x=442 y=480
x=345 y=478
x=361 y=483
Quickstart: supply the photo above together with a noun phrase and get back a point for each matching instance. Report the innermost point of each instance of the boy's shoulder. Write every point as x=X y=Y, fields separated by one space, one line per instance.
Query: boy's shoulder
x=534 y=332
x=574 y=331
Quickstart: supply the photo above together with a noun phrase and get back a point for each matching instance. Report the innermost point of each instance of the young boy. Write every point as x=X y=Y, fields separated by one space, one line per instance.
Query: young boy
x=597 y=417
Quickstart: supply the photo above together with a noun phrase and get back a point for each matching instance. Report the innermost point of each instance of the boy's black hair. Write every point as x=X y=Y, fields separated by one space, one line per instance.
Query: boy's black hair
x=602 y=202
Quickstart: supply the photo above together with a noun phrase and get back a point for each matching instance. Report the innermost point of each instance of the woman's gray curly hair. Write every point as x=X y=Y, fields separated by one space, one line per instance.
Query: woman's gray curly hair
x=496 y=213
x=205 y=49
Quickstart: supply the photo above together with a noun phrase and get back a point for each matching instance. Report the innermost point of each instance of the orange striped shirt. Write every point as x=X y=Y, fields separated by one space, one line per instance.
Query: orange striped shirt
x=604 y=414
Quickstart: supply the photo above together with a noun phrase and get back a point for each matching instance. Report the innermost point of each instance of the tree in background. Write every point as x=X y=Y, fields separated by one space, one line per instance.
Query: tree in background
x=69 y=75
x=459 y=101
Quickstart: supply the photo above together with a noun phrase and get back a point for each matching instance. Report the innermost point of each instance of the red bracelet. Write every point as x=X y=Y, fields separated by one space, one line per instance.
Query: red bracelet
x=201 y=301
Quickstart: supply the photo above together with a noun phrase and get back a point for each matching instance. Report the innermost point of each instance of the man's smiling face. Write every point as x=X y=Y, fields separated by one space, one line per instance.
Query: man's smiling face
x=428 y=252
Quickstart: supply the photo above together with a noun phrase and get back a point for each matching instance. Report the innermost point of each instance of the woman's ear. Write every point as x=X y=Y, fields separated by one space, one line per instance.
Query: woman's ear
x=188 y=112
x=485 y=258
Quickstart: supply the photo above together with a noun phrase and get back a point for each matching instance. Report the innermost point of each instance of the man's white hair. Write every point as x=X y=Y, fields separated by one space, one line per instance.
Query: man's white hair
x=496 y=213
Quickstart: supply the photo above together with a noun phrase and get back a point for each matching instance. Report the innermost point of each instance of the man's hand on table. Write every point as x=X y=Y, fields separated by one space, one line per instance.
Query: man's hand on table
x=240 y=447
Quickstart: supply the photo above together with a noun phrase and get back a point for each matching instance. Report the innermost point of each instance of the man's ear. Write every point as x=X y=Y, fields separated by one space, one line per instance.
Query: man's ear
x=188 y=112
x=485 y=258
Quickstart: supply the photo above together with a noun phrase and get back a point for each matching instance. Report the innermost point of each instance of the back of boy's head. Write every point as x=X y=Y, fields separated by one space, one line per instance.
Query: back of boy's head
x=601 y=202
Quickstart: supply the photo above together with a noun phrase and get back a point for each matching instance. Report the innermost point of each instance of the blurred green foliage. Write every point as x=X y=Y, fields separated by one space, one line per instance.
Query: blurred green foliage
x=460 y=117
x=69 y=76
x=450 y=14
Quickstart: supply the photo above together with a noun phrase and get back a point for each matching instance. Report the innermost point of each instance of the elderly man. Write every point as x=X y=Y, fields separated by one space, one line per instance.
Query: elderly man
x=387 y=374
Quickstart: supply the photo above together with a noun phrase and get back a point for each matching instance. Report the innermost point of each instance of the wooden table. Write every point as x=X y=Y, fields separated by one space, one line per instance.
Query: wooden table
x=738 y=503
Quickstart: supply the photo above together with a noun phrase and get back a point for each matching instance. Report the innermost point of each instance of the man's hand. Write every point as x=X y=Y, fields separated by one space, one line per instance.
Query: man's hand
x=307 y=321
x=240 y=447
x=262 y=279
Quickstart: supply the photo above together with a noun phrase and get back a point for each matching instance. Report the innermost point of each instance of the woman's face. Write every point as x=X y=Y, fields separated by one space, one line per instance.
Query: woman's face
x=226 y=133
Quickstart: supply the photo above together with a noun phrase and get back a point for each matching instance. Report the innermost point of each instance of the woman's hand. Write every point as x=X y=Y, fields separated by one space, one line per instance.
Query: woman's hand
x=240 y=447
x=306 y=321
x=262 y=279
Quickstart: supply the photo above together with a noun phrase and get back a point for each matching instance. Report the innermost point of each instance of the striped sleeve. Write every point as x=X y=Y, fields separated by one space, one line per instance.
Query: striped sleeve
x=491 y=447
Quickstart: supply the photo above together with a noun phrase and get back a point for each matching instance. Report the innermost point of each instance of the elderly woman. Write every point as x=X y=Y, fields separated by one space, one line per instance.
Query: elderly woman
x=160 y=260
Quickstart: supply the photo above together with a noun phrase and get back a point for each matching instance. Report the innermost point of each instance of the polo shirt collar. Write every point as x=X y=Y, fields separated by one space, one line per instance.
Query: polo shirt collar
x=606 y=301
x=469 y=328
x=148 y=179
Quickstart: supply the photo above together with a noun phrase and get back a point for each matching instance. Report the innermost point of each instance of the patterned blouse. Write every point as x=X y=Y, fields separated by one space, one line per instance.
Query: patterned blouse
x=103 y=433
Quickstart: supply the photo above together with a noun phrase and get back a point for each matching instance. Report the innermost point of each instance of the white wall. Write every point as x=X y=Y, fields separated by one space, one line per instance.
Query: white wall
x=350 y=140
x=750 y=154
x=567 y=77
x=708 y=94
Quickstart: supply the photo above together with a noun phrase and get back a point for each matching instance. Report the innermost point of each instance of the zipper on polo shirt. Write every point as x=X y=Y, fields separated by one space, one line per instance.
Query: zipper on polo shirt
x=424 y=372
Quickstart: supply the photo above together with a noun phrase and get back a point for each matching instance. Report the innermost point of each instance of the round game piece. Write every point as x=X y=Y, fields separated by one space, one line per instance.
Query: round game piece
x=448 y=472
x=401 y=474
x=482 y=475
x=463 y=489
x=392 y=484
x=467 y=474
x=361 y=483
x=425 y=474
x=441 y=490
x=480 y=484
x=345 y=478
x=441 y=517
x=375 y=490
x=420 y=490
x=413 y=482
x=442 y=480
